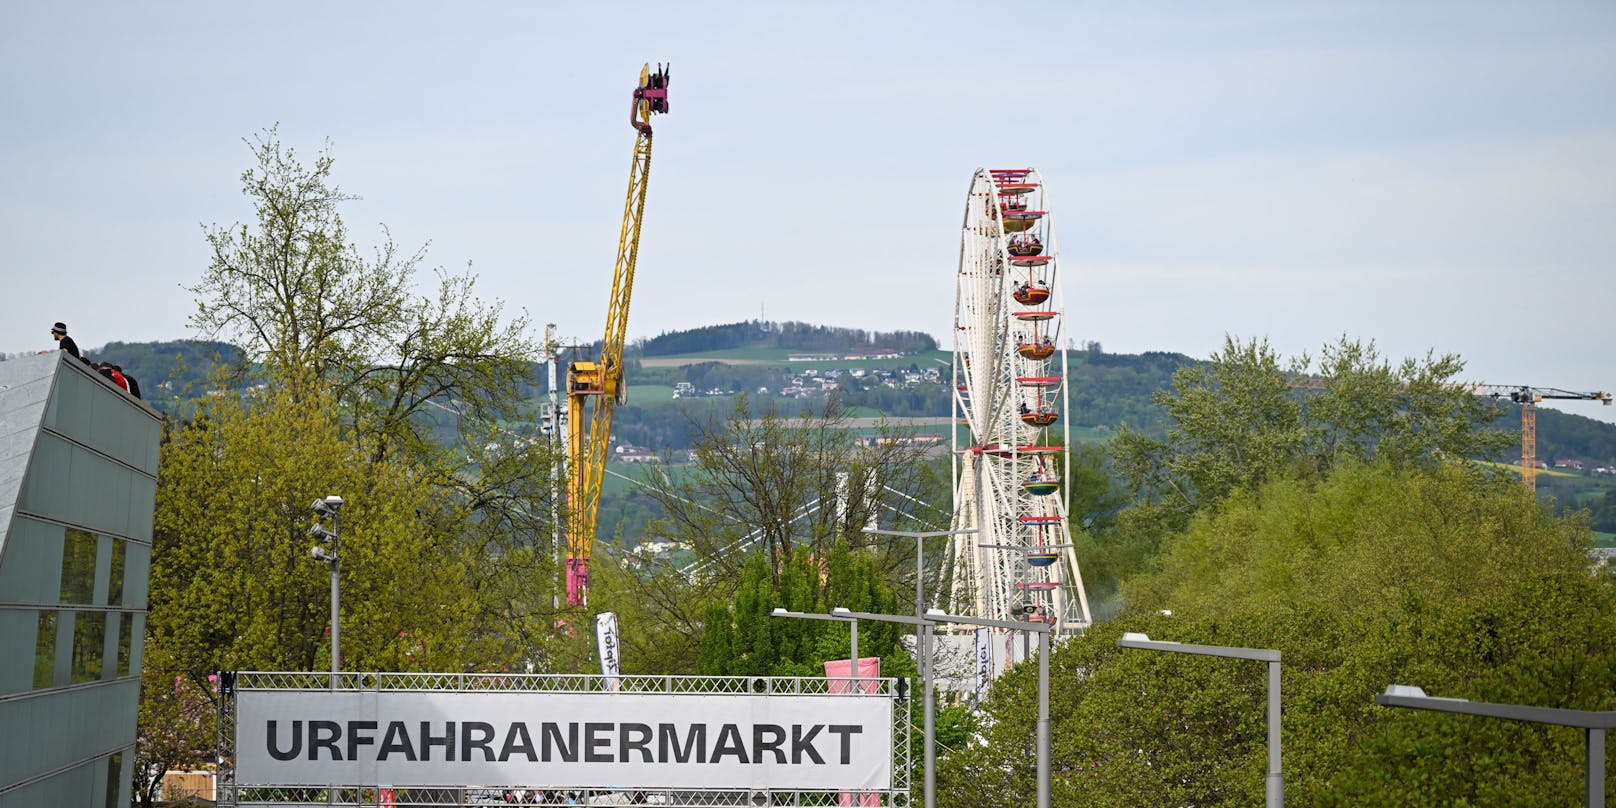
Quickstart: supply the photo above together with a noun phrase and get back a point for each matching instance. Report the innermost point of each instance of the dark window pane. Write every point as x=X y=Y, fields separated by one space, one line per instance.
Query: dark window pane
x=114 y=779
x=45 y=650
x=78 y=566
x=126 y=629
x=89 y=639
x=115 y=587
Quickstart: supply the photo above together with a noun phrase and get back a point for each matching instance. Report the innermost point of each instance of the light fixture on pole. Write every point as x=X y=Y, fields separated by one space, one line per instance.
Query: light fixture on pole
x=923 y=651
x=1593 y=723
x=331 y=506
x=852 y=624
x=1043 y=630
x=933 y=617
x=1275 y=785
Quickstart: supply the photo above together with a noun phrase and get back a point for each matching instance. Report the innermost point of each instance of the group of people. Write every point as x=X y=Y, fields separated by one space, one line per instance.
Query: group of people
x=124 y=381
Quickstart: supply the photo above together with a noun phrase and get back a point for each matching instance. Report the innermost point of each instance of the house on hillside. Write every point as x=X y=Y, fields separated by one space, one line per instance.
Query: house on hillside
x=628 y=453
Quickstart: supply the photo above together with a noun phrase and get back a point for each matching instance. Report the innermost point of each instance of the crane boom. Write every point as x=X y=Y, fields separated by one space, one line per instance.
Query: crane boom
x=597 y=387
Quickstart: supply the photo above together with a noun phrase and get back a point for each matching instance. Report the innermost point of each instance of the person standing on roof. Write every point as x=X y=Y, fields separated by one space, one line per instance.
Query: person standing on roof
x=64 y=342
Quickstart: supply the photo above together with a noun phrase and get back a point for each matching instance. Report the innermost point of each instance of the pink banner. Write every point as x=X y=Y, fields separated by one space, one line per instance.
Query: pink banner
x=841 y=670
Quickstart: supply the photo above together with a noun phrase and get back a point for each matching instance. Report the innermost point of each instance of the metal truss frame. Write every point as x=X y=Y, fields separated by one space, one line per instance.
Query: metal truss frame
x=269 y=795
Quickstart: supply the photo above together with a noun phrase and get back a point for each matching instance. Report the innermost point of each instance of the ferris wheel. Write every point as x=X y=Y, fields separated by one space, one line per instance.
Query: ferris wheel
x=1011 y=406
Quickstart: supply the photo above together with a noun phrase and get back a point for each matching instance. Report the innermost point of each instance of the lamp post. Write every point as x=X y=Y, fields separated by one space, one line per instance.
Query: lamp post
x=331 y=506
x=852 y=624
x=1043 y=733
x=1275 y=786
x=933 y=617
x=1592 y=722
x=923 y=650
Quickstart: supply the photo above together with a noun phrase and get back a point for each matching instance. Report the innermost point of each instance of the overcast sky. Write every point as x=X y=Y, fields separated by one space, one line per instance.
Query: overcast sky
x=1428 y=175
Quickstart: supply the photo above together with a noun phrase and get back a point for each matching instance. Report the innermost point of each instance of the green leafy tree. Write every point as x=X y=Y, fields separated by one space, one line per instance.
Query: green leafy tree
x=318 y=314
x=1378 y=573
x=1243 y=418
x=234 y=587
x=1235 y=422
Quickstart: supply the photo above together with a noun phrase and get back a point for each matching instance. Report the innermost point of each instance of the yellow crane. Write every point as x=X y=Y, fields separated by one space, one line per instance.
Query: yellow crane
x=1528 y=397
x=595 y=388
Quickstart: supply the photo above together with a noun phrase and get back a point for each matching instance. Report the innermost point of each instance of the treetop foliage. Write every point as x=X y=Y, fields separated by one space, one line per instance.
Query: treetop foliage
x=1241 y=419
x=1372 y=575
x=793 y=335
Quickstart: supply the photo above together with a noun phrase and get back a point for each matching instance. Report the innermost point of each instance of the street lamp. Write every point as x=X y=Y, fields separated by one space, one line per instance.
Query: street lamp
x=923 y=648
x=1276 y=780
x=1592 y=722
x=852 y=624
x=330 y=506
x=1043 y=734
x=933 y=617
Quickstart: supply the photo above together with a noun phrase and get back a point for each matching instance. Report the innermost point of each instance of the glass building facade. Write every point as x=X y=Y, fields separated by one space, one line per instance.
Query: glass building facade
x=78 y=484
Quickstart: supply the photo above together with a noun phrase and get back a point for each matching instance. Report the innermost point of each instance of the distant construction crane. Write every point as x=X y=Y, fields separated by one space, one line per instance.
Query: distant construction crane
x=595 y=388
x=1528 y=397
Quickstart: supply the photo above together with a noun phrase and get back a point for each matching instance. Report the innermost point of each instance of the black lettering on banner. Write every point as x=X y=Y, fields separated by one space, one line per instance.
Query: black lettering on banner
x=668 y=739
x=729 y=743
x=331 y=732
x=593 y=741
x=447 y=740
x=297 y=742
x=355 y=740
x=805 y=743
x=397 y=739
x=569 y=747
x=517 y=732
x=627 y=742
x=847 y=731
x=759 y=745
x=467 y=743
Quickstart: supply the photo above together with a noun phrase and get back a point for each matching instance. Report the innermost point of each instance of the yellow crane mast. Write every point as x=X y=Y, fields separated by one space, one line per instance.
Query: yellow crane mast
x=597 y=387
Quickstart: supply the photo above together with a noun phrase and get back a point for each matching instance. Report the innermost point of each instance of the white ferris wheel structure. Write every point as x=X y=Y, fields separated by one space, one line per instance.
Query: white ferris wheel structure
x=1012 y=407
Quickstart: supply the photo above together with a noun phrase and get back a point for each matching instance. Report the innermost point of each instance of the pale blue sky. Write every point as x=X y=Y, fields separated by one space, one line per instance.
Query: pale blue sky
x=1430 y=175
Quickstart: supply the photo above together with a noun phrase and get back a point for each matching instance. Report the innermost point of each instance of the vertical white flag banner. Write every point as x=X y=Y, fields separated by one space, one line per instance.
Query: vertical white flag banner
x=984 y=664
x=606 y=640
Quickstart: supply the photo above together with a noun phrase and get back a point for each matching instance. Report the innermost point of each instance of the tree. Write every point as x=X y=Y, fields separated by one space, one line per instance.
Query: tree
x=317 y=314
x=785 y=485
x=1374 y=574
x=233 y=586
x=1235 y=423
x=176 y=724
x=1241 y=419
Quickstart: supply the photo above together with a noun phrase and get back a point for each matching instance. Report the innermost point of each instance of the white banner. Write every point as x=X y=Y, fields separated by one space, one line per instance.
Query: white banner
x=563 y=740
x=606 y=641
x=984 y=664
